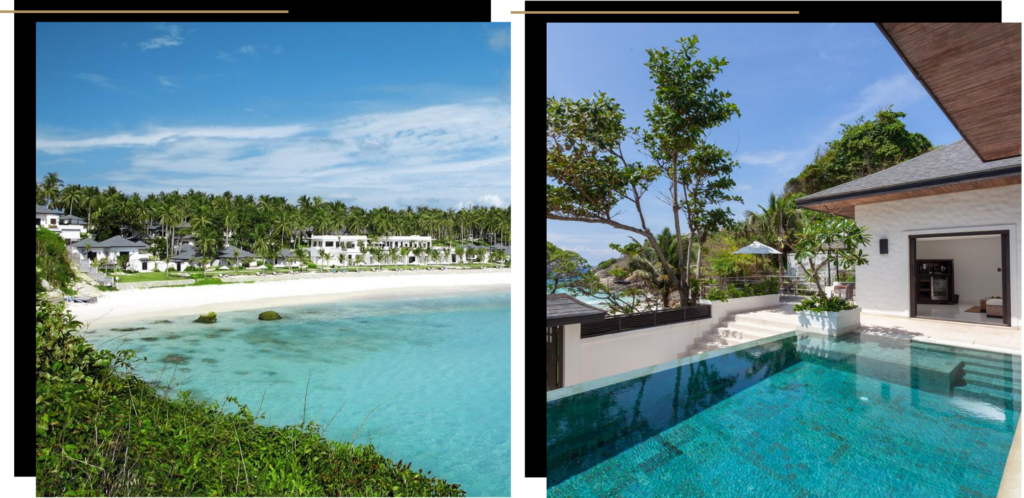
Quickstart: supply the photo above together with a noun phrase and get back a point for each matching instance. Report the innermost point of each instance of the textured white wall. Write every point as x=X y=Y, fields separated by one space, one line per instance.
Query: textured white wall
x=883 y=284
x=975 y=265
x=617 y=353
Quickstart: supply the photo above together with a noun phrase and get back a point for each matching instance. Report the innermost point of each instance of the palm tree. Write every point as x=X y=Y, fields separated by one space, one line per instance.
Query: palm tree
x=324 y=257
x=51 y=188
x=70 y=196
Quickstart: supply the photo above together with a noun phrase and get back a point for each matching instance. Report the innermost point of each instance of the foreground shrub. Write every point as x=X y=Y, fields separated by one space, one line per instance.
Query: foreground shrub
x=820 y=304
x=765 y=287
x=104 y=432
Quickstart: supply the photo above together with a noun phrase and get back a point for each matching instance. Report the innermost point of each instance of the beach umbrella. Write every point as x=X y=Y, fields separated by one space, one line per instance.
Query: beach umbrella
x=759 y=248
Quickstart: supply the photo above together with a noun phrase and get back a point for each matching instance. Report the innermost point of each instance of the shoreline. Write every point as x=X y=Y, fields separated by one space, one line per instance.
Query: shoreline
x=144 y=304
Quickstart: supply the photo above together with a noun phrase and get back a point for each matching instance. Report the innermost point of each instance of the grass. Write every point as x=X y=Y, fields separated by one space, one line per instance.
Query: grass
x=102 y=431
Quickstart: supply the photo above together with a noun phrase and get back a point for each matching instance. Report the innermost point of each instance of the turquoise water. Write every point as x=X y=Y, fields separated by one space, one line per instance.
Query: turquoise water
x=434 y=372
x=802 y=416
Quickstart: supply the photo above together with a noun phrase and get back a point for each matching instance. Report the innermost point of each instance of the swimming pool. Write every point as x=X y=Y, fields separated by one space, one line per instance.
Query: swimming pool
x=791 y=416
x=426 y=380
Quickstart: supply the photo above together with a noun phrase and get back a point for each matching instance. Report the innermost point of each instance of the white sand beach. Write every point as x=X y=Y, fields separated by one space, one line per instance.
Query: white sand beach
x=131 y=305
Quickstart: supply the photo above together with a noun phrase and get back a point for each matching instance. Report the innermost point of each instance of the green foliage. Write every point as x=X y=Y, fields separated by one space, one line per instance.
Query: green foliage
x=820 y=304
x=568 y=271
x=209 y=281
x=765 y=287
x=606 y=263
x=122 y=261
x=52 y=261
x=865 y=147
x=103 y=432
x=210 y=317
x=269 y=315
x=839 y=239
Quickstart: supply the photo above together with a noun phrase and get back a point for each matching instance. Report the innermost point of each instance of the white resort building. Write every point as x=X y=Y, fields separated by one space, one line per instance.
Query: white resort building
x=107 y=251
x=356 y=249
x=69 y=227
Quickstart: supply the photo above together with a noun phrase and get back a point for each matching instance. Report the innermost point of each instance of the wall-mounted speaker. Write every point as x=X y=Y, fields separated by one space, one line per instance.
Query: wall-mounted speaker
x=883 y=247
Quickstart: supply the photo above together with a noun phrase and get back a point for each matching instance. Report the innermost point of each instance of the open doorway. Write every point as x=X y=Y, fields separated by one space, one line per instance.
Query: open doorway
x=962 y=277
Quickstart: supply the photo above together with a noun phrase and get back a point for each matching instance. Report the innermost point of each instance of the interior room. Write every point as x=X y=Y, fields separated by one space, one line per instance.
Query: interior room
x=960 y=278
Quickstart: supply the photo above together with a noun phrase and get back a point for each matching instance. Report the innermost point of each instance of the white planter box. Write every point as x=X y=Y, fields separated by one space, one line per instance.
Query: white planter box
x=831 y=323
x=722 y=309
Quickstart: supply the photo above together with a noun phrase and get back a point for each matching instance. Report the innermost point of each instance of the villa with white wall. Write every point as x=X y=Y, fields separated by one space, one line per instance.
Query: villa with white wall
x=945 y=231
x=107 y=251
x=355 y=249
x=71 y=228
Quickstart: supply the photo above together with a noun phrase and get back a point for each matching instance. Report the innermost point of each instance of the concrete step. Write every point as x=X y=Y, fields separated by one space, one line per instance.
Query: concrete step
x=741 y=329
x=778 y=320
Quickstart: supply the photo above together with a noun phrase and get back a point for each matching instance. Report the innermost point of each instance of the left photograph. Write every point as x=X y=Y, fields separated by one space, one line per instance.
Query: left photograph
x=273 y=259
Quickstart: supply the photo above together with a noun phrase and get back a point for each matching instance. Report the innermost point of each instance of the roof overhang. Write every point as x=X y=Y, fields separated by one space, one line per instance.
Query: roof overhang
x=572 y=311
x=972 y=71
x=844 y=204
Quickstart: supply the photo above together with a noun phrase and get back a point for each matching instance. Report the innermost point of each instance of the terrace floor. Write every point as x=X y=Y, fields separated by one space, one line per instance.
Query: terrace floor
x=970 y=335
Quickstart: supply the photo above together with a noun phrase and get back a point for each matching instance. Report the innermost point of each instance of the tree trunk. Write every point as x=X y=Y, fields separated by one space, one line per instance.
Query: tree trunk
x=683 y=297
x=686 y=274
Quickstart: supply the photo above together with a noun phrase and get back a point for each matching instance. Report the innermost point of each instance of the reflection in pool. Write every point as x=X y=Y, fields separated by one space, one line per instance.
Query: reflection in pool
x=808 y=415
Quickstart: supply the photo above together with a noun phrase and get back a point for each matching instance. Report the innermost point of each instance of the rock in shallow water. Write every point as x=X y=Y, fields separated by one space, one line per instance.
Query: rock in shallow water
x=270 y=315
x=210 y=317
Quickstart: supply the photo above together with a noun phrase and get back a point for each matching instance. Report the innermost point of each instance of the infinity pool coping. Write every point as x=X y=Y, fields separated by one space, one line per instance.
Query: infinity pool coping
x=582 y=387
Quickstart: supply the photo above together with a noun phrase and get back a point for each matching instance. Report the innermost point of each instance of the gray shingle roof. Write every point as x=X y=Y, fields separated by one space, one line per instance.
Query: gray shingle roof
x=564 y=309
x=119 y=241
x=72 y=219
x=83 y=242
x=949 y=162
x=41 y=209
x=229 y=253
x=186 y=254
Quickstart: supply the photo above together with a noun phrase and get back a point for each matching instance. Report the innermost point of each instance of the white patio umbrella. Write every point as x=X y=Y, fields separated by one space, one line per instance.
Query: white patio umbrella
x=759 y=248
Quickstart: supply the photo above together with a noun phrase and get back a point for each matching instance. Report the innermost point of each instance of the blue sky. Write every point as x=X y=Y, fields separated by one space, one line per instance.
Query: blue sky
x=370 y=114
x=794 y=85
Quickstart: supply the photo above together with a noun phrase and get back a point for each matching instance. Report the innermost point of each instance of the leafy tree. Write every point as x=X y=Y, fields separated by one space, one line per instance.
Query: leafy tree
x=591 y=176
x=864 y=147
x=564 y=268
x=839 y=239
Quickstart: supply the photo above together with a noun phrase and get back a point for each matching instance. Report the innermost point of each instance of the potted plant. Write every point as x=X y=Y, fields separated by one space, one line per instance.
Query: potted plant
x=840 y=240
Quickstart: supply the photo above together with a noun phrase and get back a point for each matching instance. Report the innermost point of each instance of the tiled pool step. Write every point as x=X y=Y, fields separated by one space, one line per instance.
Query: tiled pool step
x=992 y=384
x=970 y=369
x=973 y=354
x=997 y=370
x=740 y=328
x=994 y=397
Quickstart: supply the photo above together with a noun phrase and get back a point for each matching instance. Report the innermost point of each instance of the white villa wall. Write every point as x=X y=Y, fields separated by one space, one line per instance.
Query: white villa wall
x=617 y=353
x=883 y=284
x=975 y=265
x=612 y=354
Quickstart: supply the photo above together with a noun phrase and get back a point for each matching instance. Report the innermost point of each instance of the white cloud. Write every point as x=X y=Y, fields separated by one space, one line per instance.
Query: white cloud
x=222 y=55
x=96 y=79
x=437 y=155
x=173 y=38
x=249 y=109
x=500 y=39
x=490 y=200
x=248 y=50
x=277 y=50
x=165 y=81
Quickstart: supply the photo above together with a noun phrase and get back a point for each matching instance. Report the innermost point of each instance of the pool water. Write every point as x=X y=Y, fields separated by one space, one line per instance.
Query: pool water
x=425 y=380
x=798 y=416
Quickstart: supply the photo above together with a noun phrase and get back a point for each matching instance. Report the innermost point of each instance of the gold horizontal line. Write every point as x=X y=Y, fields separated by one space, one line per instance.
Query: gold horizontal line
x=656 y=12
x=143 y=11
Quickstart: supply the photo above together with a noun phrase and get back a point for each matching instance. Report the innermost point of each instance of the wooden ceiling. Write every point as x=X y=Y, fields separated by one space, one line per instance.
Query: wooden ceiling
x=972 y=70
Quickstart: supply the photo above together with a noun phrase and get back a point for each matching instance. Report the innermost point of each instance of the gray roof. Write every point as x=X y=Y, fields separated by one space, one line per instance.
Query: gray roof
x=564 y=309
x=119 y=241
x=83 y=242
x=41 y=209
x=229 y=252
x=72 y=218
x=946 y=163
x=285 y=253
x=185 y=254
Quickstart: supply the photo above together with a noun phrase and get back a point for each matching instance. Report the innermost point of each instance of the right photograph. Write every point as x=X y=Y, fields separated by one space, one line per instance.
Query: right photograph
x=783 y=259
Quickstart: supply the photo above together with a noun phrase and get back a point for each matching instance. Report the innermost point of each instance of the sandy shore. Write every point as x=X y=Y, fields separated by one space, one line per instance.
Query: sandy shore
x=132 y=305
